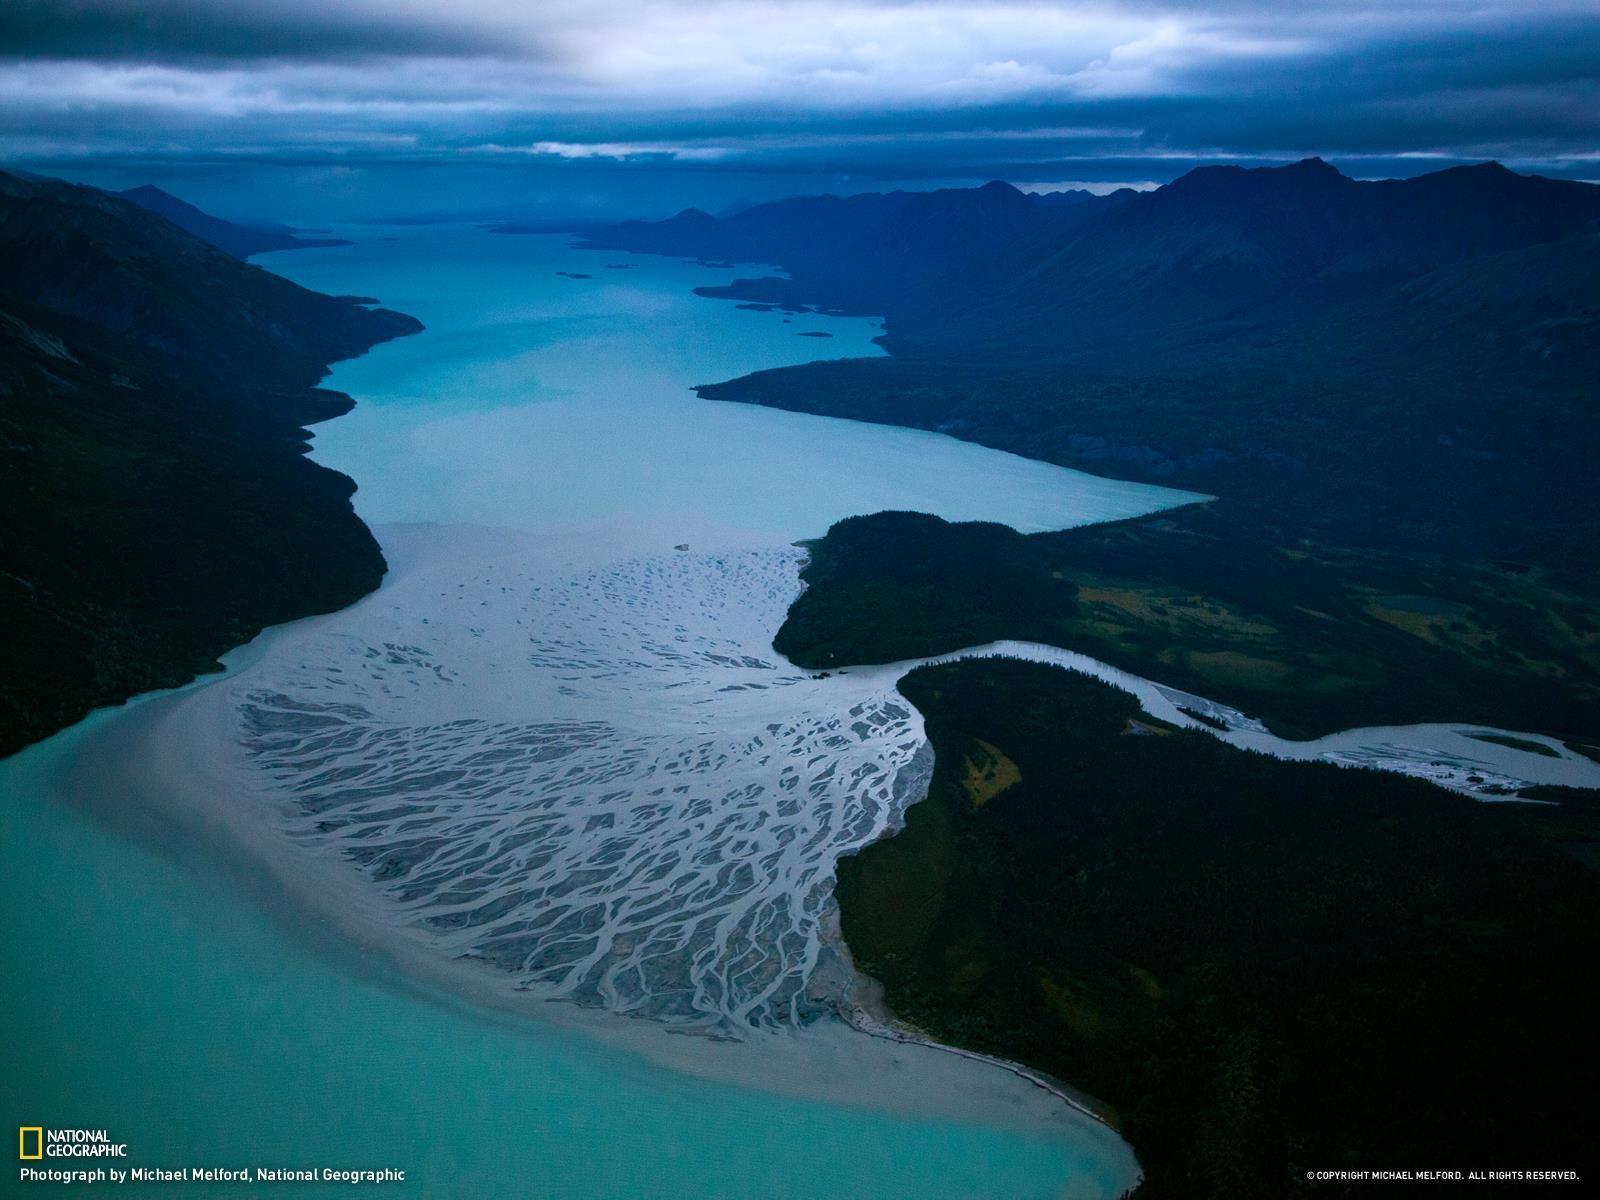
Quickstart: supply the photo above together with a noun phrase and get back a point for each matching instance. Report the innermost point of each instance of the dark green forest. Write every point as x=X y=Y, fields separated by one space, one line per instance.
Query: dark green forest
x=1307 y=637
x=1262 y=967
x=159 y=505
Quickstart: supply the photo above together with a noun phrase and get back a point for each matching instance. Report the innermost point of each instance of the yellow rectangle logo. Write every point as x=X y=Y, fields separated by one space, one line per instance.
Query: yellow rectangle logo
x=38 y=1141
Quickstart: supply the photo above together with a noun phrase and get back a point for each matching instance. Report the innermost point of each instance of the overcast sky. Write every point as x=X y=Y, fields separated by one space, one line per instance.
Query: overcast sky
x=949 y=89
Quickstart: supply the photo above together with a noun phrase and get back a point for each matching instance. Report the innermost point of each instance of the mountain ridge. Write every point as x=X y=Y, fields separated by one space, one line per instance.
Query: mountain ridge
x=241 y=241
x=153 y=397
x=991 y=272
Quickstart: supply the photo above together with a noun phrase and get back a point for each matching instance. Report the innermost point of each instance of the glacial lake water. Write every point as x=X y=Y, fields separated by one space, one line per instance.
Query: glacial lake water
x=309 y=913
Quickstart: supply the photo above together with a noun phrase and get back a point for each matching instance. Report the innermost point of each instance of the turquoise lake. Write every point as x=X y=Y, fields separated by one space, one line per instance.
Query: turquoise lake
x=163 y=989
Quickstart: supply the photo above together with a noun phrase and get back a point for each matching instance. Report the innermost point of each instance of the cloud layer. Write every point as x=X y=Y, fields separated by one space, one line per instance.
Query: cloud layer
x=899 y=87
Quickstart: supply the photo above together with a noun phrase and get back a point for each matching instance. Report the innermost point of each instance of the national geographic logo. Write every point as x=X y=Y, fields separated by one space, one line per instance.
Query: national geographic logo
x=35 y=1142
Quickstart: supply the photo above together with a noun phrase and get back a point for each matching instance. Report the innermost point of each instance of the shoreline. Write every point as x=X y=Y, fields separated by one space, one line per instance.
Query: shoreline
x=252 y=530
x=864 y=1009
x=857 y=997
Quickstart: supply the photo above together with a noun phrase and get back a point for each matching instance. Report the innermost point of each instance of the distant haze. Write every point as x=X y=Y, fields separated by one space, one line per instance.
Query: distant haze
x=563 y=106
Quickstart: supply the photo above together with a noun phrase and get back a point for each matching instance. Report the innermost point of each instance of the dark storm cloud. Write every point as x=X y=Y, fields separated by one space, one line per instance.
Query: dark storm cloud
x=179 y=30
x=914 y=88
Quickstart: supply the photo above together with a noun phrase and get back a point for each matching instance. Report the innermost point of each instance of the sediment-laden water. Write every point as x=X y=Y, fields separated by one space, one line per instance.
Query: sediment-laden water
x=553 y=758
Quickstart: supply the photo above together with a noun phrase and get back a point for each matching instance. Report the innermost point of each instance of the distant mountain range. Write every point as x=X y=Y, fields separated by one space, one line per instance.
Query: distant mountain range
x=1008 y=275
x=1409 y=360
x=241 y=241
x=159 y=506
x=1247 y=254
x=863 y=253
